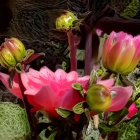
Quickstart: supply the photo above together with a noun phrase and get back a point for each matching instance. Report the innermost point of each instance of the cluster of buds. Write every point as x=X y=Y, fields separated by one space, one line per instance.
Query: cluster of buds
x=12 y=52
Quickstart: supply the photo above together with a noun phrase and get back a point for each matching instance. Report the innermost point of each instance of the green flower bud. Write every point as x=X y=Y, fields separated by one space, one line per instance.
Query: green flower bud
x=98 y=98
x=12 y=52
x=65 y=21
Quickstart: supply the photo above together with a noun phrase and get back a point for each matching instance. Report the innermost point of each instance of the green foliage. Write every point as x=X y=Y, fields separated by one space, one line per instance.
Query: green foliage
x=64 y=65
x=138 y=101
x=131 y=10
x=117 y=116
x=99 y=72
x=80 y=54
x=128 y=131
x=104 y=128
x=79 y=88
x=42 y=136
x=78 y=108
x=13 y=122
x=63 y=112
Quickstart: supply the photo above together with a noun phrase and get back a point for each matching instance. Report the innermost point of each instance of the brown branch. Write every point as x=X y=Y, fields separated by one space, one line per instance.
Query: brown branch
x=108 y=24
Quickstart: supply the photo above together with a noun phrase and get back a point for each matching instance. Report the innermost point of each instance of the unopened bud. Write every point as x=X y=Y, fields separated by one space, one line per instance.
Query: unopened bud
x=12 y=52
x=98 y=98
x=65 y=21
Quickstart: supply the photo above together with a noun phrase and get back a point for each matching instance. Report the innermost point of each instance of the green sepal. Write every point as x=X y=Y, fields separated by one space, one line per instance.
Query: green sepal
x=79 y=108
x=79 y=88
x=28 y=54
x=18 y=68
x=63 y=112
x=93 y=78
x=118 y=81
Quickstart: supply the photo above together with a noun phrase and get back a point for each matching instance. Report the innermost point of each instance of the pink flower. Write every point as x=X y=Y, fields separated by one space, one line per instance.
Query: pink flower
x=49 y=90
x=121 y=52
x=132 y=110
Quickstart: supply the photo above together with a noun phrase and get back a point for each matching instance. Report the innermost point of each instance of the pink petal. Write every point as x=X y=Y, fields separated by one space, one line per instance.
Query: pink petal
x=83 y=81
x=107 y=83
x=60 y=75
x=70 y=99
x=136 y=57
x=105 y=52
x=107 y=47
x=111 y=37
x=132 y=110
x=122 y=96
x=43 y=99
x=120 y=35
x=113 y=54
x=15 y=89
x=46 y=74
x=72 y=76
x=31 y=82
x=126 y=56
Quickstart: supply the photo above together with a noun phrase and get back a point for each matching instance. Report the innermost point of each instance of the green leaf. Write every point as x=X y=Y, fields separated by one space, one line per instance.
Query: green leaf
x=128 y=131
x=42 y=136
x=93 y=78
x=104 y=129
x=63 y=112
x=117 y=116
x=78 y=108
x=131 y=10
x=80 y=54
x=13 y=122
x=79 y=88
x=29 y=52
x=118 y=82
x=52 y=136
x=138 y=101
x=99 y=72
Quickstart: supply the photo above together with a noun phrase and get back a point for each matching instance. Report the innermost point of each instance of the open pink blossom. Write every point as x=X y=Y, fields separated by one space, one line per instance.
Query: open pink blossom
x=49 y=90
x=132 y=110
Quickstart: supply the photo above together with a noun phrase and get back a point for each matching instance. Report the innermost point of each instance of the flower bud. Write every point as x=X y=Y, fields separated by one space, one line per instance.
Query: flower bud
x=65 y=21
x=12 y=52
x=121 y=52
x=98 y=98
